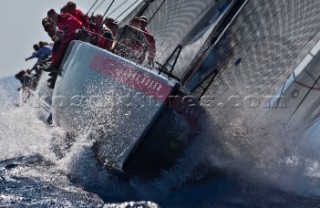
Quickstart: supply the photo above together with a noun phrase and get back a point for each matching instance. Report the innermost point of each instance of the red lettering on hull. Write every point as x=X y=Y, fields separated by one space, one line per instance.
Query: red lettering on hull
x=131 y=77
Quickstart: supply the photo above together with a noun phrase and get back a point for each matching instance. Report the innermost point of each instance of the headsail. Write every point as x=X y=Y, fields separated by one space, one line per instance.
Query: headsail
x=271 y=38
x=257 y=53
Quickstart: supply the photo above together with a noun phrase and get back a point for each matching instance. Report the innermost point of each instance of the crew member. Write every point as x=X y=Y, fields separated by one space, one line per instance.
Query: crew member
x=112 y=25
x=101 y=35
x=66 y=27
x=131 y=42
x=71 y=8
x=150 y=39
x=41 y=53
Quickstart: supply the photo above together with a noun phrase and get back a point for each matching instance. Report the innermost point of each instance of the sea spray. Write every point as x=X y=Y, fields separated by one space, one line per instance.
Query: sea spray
x=264 y=149
x=22 y=133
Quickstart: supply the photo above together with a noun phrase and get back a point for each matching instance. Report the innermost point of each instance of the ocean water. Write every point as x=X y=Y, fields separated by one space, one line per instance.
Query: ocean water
x=263 y=167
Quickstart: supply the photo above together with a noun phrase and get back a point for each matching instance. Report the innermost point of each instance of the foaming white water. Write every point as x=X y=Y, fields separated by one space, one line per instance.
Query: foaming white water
x=8 y=92
x=22 y=133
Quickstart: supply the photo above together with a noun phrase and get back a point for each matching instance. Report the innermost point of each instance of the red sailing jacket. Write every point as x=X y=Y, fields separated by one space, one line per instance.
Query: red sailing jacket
x=106 y=40
x=68 y=24
x=152 y=44
x=82 y=18
x=96 y=29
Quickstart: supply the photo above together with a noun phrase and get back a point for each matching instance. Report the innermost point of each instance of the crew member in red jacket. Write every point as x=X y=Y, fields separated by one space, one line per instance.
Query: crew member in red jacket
x=101 y=35
x=71 y=8
x=97 y=26
x=67 y=25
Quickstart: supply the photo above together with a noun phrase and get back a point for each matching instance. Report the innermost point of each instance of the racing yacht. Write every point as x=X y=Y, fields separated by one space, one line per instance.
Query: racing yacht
x=210 y=54
x=142 y=118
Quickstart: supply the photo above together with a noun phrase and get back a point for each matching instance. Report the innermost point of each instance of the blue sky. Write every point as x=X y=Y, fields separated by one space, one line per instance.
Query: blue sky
x=21 y=28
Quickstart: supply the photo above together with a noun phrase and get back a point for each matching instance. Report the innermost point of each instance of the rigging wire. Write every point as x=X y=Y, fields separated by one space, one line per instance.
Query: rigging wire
x=118 y=7
x=98 y=6
x=302 y=84
x=95 y=11
x=100 y=26
x=144 y=7
x=127 y=9
x=214 y=74
x=304 y=98
x=281 y=93
x=154 y=14
x=108 y=9
x=96 y=1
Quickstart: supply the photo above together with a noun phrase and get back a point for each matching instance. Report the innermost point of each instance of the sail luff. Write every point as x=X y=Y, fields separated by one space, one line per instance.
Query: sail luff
x=212 y=39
